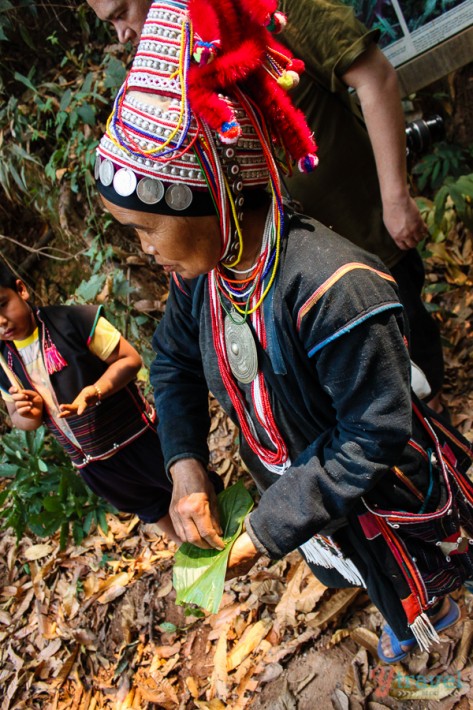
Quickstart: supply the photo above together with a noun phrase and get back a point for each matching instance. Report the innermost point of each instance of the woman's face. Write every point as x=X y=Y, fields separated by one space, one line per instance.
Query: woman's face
x=189 y=246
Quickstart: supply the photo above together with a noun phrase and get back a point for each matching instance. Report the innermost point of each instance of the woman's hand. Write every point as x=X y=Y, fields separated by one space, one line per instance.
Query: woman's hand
x=193 y=507
x=242 y=557
x=86 y=397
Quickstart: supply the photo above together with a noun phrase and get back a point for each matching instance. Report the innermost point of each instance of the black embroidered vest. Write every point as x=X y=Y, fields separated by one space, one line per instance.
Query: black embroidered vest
x=102 y=429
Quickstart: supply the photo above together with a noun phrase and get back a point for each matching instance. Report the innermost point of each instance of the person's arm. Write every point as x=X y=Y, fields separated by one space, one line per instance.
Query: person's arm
x=26 y=409
x=376 y=84
x=366 y=374
x=123 y=366
x=181 y=396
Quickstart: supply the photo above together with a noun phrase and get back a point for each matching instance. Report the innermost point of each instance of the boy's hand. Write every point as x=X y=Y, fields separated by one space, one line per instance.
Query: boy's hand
x=86 y=397
x=28 y=403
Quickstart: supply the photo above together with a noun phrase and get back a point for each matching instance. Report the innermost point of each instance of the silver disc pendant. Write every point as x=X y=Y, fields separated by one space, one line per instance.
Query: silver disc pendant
x=178 y=196
x=124 y=182
x=150 y=191
x=106 y=172
x=241 y=348
x=97 y=167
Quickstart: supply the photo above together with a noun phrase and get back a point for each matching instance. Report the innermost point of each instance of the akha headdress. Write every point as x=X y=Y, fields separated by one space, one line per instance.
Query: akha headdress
x=194 y=128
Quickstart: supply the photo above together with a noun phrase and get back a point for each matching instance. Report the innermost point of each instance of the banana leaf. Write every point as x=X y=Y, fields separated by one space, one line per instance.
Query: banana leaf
x=199 y=575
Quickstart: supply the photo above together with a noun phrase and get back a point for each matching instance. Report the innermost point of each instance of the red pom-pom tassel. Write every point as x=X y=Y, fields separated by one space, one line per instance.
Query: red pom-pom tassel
x=308 y=163
x=277 y=22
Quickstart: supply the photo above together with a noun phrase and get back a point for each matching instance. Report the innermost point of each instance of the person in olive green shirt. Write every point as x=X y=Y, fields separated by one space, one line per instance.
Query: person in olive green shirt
x=360 y=187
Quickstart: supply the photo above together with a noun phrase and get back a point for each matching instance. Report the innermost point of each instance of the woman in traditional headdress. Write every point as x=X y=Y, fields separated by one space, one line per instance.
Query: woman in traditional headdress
x=298 y=333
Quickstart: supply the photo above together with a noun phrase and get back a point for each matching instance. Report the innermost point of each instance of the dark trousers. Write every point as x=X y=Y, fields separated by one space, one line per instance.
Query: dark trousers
x=134 y=479
x=424 y=340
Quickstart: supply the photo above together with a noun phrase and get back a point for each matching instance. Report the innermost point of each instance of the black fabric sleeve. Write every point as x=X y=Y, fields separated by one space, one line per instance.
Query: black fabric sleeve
x=180 y=389
x=366 y=374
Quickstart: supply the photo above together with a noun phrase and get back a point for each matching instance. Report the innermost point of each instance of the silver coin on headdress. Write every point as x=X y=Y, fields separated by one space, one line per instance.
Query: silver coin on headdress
x=124 y=182
x=98 y=160
x=150 y=190
x=241 y=348
x=106 y=172
x=178 y=196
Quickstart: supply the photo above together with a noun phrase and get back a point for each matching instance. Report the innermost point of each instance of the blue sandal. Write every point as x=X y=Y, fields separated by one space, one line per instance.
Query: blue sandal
x=450 y=618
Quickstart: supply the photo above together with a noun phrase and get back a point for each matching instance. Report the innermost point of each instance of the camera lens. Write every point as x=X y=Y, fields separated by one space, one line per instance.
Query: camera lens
x=421 y=134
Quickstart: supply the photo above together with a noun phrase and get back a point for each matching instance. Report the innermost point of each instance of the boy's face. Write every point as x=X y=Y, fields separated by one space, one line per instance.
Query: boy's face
x=126 y=16
x=16 y=317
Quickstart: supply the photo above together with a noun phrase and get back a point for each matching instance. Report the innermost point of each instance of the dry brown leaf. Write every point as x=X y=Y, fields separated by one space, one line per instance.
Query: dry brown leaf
x=162 y=693
x=165 y=589
x=10 y=693
x=145 y=305
x=226 y=466
x=93 y=585
x=366 y=638
x=218 y=682
x=333 y=607
x=86 y=637
x=24 y=605
x=26 y=630
x=277 y=653
x=271 y=672
x=340 y=700
x=416 y=688
x=60 y=172
x=66 y=667
x=70 y=603
x=168 y=651
x=192 y=687
x=310 y=594
x=16 y=660
x=5 y=618
x=170 y=664
x=361 y=666
x=463 y=653
x=244 y=692
x=250 y=640
x=338 y=636
x=112 y=593
x=222 y=619
x=286 y=609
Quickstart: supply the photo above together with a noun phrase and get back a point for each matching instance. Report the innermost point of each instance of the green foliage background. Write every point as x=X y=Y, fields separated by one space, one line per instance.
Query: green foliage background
x=56 y=87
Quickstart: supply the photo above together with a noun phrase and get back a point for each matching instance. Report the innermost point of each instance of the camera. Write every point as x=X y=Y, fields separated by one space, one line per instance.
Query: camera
x=421 y=134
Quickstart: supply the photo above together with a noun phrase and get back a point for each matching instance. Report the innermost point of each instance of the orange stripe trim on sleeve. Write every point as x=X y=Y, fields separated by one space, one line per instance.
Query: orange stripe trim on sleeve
x=336 y=276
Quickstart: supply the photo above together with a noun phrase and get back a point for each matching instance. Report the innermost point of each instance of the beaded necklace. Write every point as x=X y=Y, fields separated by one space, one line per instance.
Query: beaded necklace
x=277 y=458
